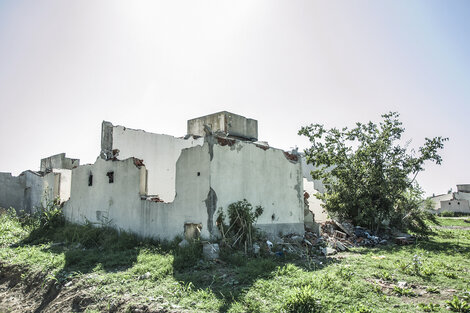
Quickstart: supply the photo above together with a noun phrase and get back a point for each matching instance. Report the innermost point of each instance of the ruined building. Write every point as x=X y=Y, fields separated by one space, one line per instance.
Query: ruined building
x=33 y=189
x=457 y=202
x=161 y=186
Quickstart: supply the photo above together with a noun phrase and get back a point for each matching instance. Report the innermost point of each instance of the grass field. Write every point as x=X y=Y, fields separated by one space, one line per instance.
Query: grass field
x=111 y=273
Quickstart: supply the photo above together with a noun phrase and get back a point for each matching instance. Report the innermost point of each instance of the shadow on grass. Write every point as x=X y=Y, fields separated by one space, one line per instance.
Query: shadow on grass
x=87 y=248
x=234 y=274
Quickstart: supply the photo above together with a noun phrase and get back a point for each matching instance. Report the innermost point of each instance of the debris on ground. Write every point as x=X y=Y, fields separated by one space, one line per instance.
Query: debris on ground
x=334 y=236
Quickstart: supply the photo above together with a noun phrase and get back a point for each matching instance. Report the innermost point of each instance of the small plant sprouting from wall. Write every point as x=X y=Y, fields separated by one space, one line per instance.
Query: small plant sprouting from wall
x=242 y=217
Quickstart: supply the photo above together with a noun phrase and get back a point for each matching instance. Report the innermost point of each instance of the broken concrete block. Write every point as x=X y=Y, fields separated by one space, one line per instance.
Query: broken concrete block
x=145 y=276
x=340 y=246
x=210 y=251
x=256 y=248
x=328 y=251
x=298 y=239
x=402 y=284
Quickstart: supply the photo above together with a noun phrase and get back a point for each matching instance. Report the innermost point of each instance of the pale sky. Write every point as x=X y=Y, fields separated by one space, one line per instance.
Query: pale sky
x=67 y=65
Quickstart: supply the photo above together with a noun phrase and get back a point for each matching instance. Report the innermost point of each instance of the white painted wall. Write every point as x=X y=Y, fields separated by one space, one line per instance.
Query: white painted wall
x=263 y=177
x=28 y=191
x=436 y=200
x=460 y=206
x=65 y=183
x=119 y=204
x=11 y=191
x=314 y=203
x=159 y=152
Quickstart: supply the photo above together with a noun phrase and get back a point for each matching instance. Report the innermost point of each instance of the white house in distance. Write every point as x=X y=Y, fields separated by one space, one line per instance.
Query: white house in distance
x=457 y=202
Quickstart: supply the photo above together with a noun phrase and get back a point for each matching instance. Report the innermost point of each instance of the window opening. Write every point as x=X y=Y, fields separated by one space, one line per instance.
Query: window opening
x=110 y=177
x=90 y=180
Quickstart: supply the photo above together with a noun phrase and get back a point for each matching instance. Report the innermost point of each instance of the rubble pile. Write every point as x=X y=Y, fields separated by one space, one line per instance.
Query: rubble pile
x=334 y=237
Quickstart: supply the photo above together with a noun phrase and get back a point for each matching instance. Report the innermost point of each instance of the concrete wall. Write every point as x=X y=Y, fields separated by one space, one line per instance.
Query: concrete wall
x=436 y=200
x=208 y=177
x=464 y=188
x=58 y=161
x=315 y=204
x=120 y=204
x=453 y=202
x=231 y=124
x=158 y=152
x=460 y=206
x=263 y=177
x=306 y=171
x=28 y=191
x=64 y=185
x=11 y=191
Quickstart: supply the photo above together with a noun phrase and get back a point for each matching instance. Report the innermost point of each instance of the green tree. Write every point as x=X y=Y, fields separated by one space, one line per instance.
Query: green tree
x=369 y=177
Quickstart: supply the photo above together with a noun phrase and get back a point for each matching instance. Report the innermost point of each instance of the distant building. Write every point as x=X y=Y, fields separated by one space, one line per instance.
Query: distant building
x=31 y=189
x=458 y=202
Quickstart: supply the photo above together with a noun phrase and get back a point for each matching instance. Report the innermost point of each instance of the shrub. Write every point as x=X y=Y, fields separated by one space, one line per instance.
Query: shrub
x=242 y=217
x=368 y=174
x=458 y=305
x=188 y=256
x=303 y=300
x=447 y=214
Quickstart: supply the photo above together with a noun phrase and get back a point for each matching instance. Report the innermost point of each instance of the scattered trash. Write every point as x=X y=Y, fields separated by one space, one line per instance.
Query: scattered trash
x=270 y=244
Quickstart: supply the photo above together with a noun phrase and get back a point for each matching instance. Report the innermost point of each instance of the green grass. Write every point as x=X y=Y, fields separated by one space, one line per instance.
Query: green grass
x=461 y=221
x=121 y=270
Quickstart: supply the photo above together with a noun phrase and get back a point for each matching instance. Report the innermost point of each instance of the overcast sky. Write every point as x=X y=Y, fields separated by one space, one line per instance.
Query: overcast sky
x=67 y=65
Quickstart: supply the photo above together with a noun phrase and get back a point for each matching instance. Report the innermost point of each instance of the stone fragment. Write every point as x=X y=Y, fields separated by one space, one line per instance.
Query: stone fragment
x=210 y=251
x=328 y=251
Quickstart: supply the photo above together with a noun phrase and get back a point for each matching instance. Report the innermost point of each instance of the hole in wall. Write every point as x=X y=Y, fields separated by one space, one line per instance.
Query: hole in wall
x=198 y=173
x=110 y=177
x=90 y=180
x=192 y=231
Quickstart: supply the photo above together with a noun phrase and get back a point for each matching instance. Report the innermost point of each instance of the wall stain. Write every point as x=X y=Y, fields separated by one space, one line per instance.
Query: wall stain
x=211 y=204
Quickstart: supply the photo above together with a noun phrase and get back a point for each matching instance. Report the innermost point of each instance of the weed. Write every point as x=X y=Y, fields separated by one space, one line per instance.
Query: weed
x=377 y=289
x=303 y=300
x=240 y=231
x=450 y=275
x=383 y=276
x=187 y=257
x=417 y=264
x=407 y=292
x=432 y=290
x=345 y=274
x=458 y=305
x=431 y=307
x=447 y=214
x=360 y=309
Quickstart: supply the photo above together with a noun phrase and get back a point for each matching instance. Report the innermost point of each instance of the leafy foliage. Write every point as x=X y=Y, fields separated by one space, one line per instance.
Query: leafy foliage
x=303 y=300
x=458 y=305
x=368 y=175
x=242 y=217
